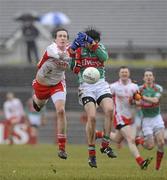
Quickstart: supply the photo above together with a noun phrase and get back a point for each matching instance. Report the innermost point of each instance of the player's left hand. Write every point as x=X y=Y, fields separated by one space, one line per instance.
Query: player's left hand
x=77 y=43
x=84 y=37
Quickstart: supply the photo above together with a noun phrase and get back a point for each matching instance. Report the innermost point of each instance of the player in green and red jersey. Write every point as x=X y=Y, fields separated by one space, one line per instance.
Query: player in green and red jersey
x=152 y=123
x=87 y=51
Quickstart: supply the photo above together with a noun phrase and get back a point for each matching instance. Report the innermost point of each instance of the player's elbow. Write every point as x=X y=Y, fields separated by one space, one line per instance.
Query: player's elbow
x=105 y=57
x=155 y=100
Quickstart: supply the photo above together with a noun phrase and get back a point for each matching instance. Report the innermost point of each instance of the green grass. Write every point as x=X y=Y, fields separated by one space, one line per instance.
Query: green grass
x=24 y=162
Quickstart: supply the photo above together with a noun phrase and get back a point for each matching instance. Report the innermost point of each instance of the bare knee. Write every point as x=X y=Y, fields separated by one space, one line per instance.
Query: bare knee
x=130 y=140
x=108 y=112
x=149 y=146
x=60 y=112
x=91 y=119
x=161 y=143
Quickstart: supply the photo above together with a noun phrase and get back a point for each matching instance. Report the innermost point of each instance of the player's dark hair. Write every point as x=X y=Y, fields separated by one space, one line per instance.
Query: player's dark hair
x=149 y=70
x=93 y=33
x=123 y=67
x=60 y=29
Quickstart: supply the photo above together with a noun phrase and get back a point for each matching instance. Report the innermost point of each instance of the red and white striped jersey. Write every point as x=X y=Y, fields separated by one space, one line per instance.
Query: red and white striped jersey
x=48 y=71
x=122 y=93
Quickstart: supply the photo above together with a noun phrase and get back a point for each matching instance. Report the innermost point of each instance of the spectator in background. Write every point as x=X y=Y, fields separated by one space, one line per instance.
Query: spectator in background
x=30 y=35
x=36 y=119
x=14 y=113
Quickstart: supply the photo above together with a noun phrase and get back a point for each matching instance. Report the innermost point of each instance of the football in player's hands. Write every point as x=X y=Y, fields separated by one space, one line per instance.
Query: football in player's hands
x=137 y=96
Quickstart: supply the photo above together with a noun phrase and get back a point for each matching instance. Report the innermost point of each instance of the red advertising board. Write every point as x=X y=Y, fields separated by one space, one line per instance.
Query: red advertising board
x=21 y=135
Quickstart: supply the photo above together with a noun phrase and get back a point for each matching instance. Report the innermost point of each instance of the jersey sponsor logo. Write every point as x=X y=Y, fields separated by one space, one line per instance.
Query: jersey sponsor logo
x=87 y=62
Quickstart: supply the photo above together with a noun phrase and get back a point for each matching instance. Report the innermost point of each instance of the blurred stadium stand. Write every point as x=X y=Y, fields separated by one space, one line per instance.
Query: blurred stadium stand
x=128 y=27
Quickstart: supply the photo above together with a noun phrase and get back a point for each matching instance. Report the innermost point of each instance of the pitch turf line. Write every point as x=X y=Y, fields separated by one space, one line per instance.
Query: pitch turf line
x=24 y=162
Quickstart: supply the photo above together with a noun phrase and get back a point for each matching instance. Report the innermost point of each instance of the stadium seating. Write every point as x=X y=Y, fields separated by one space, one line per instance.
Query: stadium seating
x=141 y=22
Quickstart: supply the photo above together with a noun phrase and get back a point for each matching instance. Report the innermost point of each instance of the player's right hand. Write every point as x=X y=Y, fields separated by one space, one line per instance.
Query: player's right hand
x=84 y=37
x=76 y=44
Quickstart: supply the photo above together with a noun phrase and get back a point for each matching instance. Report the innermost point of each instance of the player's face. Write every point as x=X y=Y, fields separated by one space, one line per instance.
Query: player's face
x=10 y=96
x=148 y=77
x=124 y=74
x=61 y=39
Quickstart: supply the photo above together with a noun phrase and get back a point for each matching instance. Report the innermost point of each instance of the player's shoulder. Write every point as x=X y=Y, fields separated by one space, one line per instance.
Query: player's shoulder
x=101 y=45
x=158 y=87
x=52 y=47
x=134 y=86
x=6 y=103
x=16 y=100
x=141 y=86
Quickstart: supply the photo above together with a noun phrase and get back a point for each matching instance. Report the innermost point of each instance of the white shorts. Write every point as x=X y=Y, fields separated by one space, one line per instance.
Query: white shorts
x=35 y=119
x=59 y=96
x=151 y=125
x=93 y=90
x=137 y=121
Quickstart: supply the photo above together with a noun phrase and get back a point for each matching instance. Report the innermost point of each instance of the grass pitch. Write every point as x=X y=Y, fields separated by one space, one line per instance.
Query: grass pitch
x=40 y=162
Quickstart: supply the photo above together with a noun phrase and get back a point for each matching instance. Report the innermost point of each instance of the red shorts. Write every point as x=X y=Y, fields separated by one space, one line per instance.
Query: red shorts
x=15 y=120
x=45 y=92
x=122 y=120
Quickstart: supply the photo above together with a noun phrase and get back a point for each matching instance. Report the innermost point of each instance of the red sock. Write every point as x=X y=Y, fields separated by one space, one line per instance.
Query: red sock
x=91 y=150
x=61 y=141
x=105 y=142
x=33 y=140
x=99 y=134
x=159 y=159
x=139 y=160
x=139 y=140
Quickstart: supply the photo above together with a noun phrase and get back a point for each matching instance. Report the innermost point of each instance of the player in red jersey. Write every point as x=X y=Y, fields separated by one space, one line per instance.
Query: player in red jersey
x=50 y=83
x=125 y=95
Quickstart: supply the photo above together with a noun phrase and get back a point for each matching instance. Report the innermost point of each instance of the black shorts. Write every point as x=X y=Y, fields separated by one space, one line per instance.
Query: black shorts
x=120 y=126
x=88 y=99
